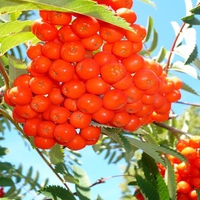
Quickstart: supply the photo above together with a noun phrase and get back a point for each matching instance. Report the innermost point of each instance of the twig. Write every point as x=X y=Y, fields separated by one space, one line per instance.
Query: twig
x=103 y=180
x=172 y=129
x=173 y=47
x=5 y=75
x=18 y=127
x=188 y=103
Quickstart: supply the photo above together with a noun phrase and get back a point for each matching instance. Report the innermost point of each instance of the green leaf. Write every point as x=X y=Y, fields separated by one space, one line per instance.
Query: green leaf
x=6 y=182
x=83 y=184
x=19 y=171
x=167 y=150
x=170 y=179
x=16 y=67
x=28 y=175
x=14 y=27
x=161 y=55
x=189 y=89
x=191 y=19
x=3 y=151
x=99 y=198
x=153 y=175
x=57 y=193
x=62 y=169
x=149 y=28
x=198 y=193
x=196 y=10
x=154 y=42
x=14 y=16
x=56 y=154
x=15 y=40
x=112 y=157
x=162 y=188
x=196 y=62
x=192 y=56
x=124 y=143
x=147 y=188
x=149 y=168
x=148 y=148
x=5 y=166
x=86 y=7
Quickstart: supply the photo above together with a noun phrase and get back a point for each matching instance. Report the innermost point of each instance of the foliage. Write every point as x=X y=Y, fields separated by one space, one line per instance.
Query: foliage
x=140 y=150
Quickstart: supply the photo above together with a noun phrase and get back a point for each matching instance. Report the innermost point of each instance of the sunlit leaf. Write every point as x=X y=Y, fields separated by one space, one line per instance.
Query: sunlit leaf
x=83 y=184
x=86 y=7
x=13 y=27
x=16 y=67
x=151 y=3
x=188 y=6
x=14 y=16
x=154 y=41
x=56 y=154
x=149 y=28
x=62 y=169
x=187 y=69
x=15 y=40
x=161 y=55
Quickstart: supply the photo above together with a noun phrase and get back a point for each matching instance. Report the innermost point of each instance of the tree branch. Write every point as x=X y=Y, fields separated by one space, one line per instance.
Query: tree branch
x=188 y=103
x=173 y=47
x=172 y=129
x=5 y=75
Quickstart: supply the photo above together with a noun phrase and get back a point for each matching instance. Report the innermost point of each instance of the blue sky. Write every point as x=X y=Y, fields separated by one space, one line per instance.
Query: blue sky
x=95 y=165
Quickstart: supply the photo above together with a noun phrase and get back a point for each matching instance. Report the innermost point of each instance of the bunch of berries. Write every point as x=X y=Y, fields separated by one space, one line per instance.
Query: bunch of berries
x=85 y=70
x=187 y=173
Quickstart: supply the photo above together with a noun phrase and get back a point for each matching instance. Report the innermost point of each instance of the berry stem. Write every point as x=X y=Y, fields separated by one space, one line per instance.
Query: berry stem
x=5 y=75
x=173 y=47
x=18 y=127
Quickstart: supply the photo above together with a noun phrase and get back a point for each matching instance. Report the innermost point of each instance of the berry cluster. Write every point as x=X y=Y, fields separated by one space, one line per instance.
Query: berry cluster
x=86 y=70
x=187 y=173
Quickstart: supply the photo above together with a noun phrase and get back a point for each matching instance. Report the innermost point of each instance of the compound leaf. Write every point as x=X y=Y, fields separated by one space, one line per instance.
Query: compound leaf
x=57 y=193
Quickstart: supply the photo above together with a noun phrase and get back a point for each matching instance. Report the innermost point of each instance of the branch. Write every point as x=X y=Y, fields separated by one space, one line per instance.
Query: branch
x=103 y=180
x=173 y=47
x=188 y=103
x=4 y=74
x=172 y=129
